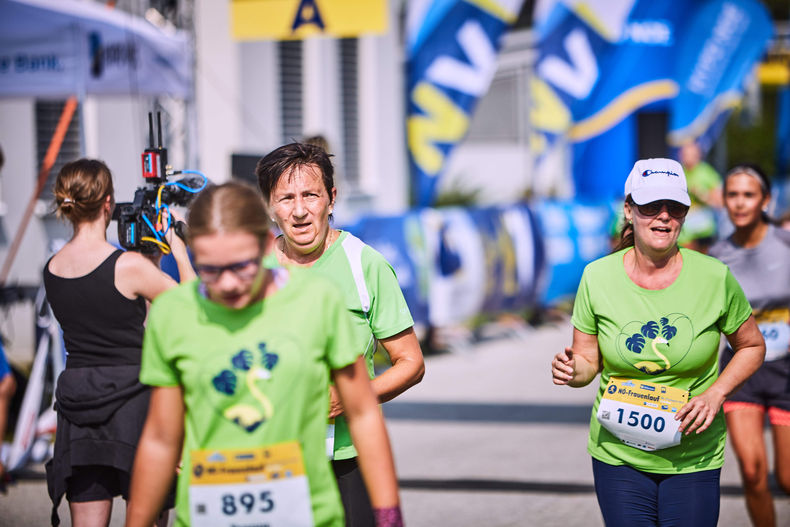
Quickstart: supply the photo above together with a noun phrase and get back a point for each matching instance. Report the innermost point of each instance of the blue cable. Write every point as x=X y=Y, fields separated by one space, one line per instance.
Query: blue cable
x=165 y=207
x=153 y=229
x=190 y=189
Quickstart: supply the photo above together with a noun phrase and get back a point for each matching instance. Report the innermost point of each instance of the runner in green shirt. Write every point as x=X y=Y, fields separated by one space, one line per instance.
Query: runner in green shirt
x=241 y=361
x=297 y=182
x=649 y=318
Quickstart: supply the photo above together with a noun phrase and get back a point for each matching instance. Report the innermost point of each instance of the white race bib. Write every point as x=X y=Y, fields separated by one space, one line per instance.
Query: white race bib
x=642 y=414
x=330 y=439
x=250 y=487
x=777 y=340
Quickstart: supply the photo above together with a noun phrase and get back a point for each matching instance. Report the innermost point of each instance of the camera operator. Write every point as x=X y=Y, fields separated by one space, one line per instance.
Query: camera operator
x=98 y=294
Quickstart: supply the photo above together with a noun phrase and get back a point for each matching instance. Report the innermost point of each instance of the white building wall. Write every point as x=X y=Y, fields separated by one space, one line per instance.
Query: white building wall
x=260 y=97
x=384 y=171
x=217 y=89
x=17 y=181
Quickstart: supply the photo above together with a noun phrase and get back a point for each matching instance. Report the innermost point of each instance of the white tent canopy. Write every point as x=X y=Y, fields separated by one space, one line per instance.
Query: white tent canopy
x=58 y=48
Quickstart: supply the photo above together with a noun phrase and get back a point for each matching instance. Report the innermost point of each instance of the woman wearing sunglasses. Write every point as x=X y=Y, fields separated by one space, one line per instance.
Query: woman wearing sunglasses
x=758 y=254
x=240 y=361
x=648 y=317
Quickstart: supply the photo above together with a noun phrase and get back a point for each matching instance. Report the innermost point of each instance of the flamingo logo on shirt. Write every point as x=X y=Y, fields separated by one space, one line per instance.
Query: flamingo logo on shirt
x=251 y=407
x=654 y=347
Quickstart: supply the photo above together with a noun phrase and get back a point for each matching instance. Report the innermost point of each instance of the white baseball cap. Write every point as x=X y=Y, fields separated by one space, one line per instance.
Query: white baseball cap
x=657 y=179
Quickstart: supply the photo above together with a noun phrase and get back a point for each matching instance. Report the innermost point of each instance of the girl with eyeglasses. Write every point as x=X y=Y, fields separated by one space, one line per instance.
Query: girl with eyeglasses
x=240 y=361
x=758 y=254
x=648 y=318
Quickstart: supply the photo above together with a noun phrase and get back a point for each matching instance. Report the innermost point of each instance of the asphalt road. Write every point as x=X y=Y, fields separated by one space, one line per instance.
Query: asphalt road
x=485 y=440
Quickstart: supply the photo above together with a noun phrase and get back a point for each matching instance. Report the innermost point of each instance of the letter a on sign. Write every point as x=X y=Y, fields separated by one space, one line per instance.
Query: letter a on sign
x=307 y=14
x=298 y=19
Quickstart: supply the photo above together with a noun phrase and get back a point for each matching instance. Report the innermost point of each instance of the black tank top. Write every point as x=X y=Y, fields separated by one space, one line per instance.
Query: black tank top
x=101 y=327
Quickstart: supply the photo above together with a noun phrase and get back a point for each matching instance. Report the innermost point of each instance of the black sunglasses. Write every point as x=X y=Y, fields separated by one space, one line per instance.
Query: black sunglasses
x=675 y=209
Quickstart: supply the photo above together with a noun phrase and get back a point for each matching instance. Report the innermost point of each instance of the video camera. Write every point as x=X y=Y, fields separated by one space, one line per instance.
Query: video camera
x=140 y=223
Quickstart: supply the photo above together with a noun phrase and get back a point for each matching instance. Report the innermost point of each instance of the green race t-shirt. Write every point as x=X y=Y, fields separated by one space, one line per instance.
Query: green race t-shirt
x=254 y=376
x=704 y=301
x=364 y=277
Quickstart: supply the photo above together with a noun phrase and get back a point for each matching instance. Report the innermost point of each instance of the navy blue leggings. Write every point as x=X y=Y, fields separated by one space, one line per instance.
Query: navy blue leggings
x=630 y=497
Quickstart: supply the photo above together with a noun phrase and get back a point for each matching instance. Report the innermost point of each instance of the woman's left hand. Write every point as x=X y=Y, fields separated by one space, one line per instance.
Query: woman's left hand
x=698 y=413
x=335 y=406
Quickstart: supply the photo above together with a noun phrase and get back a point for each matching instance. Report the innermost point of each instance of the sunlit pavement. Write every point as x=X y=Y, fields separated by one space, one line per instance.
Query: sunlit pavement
x=485 y=440
x=488 y=440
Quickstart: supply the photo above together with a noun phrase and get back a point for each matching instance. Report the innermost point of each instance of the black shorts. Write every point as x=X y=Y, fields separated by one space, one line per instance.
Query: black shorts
x=100 y=482
x=768 y=387
x=96 y=483
x=353 y=494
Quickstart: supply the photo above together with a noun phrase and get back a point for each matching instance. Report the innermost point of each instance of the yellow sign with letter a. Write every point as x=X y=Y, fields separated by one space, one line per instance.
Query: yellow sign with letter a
x=297 y=19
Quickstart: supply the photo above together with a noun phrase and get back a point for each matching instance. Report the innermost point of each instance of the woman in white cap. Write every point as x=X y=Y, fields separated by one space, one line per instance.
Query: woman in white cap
x=758 y=254
x=648 y=317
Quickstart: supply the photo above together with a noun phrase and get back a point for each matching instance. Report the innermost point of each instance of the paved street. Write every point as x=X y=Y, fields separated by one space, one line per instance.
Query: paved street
x=485 y=440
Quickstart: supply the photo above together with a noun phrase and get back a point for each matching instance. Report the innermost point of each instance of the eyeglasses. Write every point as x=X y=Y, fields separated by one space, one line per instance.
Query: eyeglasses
x=675 y=209
x=244 y=270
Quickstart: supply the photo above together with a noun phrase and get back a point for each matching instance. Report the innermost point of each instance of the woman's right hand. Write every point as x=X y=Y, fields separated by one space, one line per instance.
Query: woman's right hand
x=179 y=248
x=177 y=245
x=563 y=367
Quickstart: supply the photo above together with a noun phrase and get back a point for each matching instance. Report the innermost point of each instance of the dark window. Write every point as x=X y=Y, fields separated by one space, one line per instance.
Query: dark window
x=349 y=104
x=47 y=117
x=652 y=130
x=290 y=55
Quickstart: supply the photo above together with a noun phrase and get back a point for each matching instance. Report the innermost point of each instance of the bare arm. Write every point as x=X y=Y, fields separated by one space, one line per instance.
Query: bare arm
x=408 y=368
x=749 y=346
x=368 y=434
x=578 y=365
x=185 y=270
x=157 y=456
x=137 y=276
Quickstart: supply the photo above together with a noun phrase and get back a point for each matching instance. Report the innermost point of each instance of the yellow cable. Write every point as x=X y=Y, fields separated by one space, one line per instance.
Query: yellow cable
x=159 y=204
x=163 y=246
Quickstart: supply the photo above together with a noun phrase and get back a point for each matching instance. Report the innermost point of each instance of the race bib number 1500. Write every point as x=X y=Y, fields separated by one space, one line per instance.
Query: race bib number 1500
x=264 y=485
x=642 y=414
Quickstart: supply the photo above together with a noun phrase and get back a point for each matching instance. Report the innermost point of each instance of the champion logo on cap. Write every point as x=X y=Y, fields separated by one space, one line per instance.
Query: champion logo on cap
x=660 y=179
x=667 y=172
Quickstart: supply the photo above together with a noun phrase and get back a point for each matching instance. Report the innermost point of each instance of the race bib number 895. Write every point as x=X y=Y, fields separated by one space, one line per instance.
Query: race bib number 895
x=250 y=487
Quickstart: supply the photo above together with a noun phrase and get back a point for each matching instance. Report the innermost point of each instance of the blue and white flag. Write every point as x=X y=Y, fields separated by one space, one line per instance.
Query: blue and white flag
x=719 y=46
x=451 y=50
x=602 y=61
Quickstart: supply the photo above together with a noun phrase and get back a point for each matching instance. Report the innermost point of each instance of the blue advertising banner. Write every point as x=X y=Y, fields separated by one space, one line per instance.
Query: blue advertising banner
x=451 y=59
x=401 y=240
x=718 y=47
x=454 y=264
x=513 y=257
x=574 y=234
